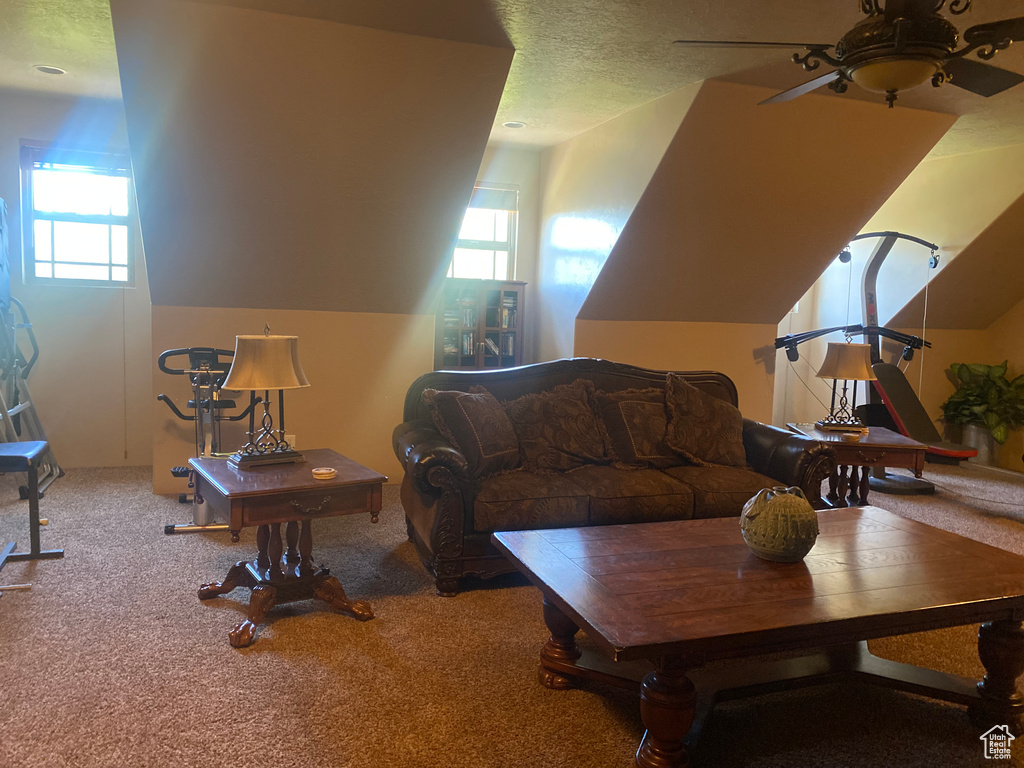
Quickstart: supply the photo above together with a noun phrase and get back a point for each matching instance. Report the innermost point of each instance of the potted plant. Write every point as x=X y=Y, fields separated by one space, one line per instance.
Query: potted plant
x=986 y=401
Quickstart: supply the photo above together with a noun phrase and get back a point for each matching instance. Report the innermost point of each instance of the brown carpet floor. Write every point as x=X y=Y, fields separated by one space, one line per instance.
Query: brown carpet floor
x=111 y=660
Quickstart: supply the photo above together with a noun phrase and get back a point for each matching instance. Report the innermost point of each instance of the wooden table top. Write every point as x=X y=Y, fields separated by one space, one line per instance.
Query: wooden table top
x=258 y=481
x=693 y=586
x=875 y=437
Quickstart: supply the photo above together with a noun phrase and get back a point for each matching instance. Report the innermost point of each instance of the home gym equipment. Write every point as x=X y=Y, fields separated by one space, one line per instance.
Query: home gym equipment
x=27 y=457
x=892 y=402
x=207 y=369
x=19 y=419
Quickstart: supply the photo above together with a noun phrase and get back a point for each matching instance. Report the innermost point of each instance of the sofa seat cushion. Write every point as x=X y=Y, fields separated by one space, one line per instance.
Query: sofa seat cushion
x=720 y=491
x=521 y=500
x=633 y=496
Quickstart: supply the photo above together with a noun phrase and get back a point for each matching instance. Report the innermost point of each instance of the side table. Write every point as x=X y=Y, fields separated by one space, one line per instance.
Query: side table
x=284 y=493
x=878 y=447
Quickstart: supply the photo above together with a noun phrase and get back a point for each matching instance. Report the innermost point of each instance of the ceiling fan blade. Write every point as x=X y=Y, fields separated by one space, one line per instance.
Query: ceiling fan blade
x=979 y=78
x=748 y=44
x=995 y=32
x=803 y=88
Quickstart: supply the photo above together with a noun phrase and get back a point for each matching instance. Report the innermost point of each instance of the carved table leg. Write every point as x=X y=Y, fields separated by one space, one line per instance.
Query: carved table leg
x=1001 y=650
x=843 y=486
x=331 y=592
x=865 y=484
x=833 y=484
x=237 y=576
x=560 y=648
x=667 y=705
x=261 y=601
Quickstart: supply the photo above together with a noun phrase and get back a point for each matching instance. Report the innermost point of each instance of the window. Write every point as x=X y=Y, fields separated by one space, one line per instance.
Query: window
x=486 y=248
x=76 y=208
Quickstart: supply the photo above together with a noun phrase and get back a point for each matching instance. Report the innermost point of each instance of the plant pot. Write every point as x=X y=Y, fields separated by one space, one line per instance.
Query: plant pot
x=979 y=437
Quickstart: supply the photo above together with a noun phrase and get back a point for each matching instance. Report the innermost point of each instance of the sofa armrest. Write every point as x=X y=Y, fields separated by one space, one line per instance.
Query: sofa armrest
x=422 y=449
x=789 y=458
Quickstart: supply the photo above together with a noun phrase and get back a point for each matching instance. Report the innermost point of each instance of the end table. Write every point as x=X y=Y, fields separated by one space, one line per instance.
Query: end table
x=284 y=493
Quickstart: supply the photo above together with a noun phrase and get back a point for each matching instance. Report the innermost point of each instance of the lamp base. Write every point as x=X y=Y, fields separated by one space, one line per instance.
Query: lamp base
x=841 y=426
x=250 y=460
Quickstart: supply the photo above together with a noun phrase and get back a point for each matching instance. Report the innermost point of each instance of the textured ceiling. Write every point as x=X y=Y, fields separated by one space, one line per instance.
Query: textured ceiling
x=578 y=62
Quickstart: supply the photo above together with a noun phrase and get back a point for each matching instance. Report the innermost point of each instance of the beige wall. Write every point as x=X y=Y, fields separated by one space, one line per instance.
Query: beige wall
x=742 y=351
x=591 y=185
x=520 y=167
x=749 y=203
x=298 y=163
x=92 y=384
x=359 y=366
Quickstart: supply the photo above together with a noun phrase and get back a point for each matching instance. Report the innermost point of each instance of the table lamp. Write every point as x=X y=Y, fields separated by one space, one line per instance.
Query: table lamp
x=265 y=363
x=848 y=362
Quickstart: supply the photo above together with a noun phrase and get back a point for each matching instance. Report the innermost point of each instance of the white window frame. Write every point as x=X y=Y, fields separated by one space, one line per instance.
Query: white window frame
x=488 y=195
x=37 y=156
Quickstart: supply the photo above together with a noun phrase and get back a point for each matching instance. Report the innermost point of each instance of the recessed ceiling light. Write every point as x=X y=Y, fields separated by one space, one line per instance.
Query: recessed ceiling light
x=46 y=69
x=514 y=124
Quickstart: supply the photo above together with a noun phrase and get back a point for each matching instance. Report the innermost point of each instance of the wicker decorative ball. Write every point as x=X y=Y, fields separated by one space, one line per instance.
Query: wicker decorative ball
x=779 y=524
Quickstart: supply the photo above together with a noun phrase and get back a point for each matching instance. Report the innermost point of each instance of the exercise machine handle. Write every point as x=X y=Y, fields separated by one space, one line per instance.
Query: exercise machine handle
x=186 y=352
x=255 y=401
x=170 y=404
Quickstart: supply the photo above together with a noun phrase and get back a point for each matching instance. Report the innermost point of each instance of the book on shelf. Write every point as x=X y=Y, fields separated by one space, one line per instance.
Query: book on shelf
x=508 y=344
x=492 y=346
x=469 y=343
x=508 y=318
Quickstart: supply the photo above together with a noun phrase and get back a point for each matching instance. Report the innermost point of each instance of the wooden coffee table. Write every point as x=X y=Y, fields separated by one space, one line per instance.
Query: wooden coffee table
x=676 y=595
x=284 y=493
x=860 y=451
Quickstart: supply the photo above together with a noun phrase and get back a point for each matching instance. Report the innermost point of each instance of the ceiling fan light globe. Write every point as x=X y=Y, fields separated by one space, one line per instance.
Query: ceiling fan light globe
x=894 y=74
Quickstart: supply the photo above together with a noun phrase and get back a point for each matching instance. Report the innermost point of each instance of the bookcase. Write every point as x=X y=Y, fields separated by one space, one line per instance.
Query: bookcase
x=479 y=324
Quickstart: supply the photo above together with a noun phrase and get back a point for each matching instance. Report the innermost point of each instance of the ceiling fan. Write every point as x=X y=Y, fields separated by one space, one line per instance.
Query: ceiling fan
x=902 y=44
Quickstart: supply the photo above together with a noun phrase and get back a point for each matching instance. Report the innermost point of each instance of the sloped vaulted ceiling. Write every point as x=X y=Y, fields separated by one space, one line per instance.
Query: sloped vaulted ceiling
x=299 y=163
x=750 y=203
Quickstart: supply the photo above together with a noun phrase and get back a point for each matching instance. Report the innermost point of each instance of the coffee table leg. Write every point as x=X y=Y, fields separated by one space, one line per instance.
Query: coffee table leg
x=668 y=702
x=560 y=649
x=1001 y=650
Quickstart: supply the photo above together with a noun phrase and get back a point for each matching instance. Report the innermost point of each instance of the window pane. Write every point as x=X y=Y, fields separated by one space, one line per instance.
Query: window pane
x=79 y=192
x=120 y=274
x=472 y=263
x=478 y=224
x=119 y=244
x=44 y=270
x=501 y=265
x=501 y=226
x=73 y=241
x=81 y=272
x=118 y=193
x=42 y=237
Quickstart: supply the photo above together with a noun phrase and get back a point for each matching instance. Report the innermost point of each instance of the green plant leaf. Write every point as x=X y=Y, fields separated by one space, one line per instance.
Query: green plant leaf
x=997 y=372
x=963 y=373
x=1001 y=433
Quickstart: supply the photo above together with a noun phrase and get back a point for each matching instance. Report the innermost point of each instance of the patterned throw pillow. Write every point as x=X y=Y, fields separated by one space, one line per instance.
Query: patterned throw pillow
x=558 y=429
x=636 y=422
x=476 y=424
x=704 y=429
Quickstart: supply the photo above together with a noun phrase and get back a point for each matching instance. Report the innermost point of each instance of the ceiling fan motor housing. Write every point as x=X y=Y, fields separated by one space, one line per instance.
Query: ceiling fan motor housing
x=886 y=56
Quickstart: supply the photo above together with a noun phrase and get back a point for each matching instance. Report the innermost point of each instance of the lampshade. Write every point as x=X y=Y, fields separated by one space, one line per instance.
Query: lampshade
x=894 y=74
x=266 y=362
x=847 y=361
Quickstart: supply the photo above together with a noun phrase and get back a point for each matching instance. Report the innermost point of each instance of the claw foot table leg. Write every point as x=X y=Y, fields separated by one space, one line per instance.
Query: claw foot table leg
x=236 y=577
x=331 y=592
x=261 y=601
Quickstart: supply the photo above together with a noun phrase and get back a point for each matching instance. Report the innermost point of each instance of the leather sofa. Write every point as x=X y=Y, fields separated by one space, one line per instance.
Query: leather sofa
x=450 y=514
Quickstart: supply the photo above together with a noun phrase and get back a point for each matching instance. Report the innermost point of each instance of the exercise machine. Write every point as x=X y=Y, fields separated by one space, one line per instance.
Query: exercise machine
x=19 y=419
x=207 y=369
x=892 y=402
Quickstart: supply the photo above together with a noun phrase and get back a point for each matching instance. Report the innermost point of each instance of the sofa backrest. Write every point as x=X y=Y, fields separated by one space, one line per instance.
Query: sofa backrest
x=510 y=383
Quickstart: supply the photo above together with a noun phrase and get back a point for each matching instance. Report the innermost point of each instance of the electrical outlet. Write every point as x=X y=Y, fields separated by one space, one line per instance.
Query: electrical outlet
x=290 y=439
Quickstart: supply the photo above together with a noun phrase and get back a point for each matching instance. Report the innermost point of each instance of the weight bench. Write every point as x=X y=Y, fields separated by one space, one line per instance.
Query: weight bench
x=26 y=457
